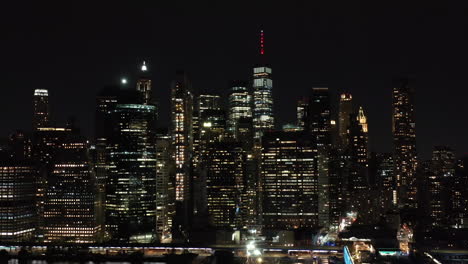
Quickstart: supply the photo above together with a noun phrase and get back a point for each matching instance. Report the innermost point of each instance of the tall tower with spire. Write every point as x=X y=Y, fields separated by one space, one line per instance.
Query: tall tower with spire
x=263 y=119
x=144 y=84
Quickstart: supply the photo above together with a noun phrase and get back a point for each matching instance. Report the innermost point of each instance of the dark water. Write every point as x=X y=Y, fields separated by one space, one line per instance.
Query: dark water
x=15 y=261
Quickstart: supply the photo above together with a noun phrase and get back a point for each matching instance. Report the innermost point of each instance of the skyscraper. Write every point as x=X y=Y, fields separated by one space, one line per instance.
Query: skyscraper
x=17 y=200
x=182 y=132
x=131 y=180
x=165 y=193
x=319 y=125
x=440 y=183
x=263 y=118
x=289 y=181
x=41 y=115
x=345 y=109
x=240 y=105
x=224 y=183
x=301 y=112
x=404 y=137
x=70 y=197
x=144 y=84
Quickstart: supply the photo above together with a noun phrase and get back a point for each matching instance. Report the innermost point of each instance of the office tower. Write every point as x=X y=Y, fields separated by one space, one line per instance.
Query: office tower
x=224 y=183
x=41 y=115
x=301 y=112
x=131 y=180
x=17 y=200
x=358 y=184
x=70 y=194
x=20 y=145
x=319 y=124
x=165 y=207
x=440 y=183
x=338 y=166
x=404 y=137
x=106 y=101
x=263 y=118
x=144 y=84
x=459 y=194
x=289 y=181
x=209 y=123
x=240 y=105
x=344 y=112
x=181 y=132
x=381 y=168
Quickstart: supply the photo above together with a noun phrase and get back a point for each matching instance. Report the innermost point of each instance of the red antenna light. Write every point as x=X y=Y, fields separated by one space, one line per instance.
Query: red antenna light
x=262 y=51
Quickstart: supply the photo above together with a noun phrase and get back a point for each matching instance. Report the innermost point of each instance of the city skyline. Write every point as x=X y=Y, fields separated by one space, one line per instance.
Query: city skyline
x=234 y=133
x=369 y=63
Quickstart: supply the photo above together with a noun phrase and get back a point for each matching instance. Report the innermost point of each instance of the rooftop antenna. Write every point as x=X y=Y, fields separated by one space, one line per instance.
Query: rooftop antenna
x=262 y=42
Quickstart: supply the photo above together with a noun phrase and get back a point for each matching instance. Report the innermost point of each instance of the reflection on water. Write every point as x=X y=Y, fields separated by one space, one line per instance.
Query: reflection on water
x=15 y=261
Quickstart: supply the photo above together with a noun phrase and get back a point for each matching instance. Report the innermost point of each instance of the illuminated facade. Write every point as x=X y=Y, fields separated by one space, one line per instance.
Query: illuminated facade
x=240 y=105
x=144 y=84
x=404 y=137
x=289 y=181
x=319 y=124
x=17 y=201
x=263 y=119
x=41 y=115
x=182 y=133
x=439 y=185
x=165 y=207
x=224 y=183
x=344 y=112
x=131 y=180
x=69 y=200
x=301 y=112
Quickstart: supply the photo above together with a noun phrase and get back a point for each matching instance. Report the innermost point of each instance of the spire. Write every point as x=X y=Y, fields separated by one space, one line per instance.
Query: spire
x=262 y=42
x=362 y=119
x=143 y=67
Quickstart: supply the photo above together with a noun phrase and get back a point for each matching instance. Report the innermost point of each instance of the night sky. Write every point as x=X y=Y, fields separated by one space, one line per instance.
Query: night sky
x=75 y=50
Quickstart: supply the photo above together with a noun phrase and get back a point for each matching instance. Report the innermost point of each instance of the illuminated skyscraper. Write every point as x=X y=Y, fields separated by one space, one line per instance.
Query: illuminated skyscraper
x=240 y=105
x=345 y=109
x=165 y=193
x=301 y=112
x=289 y=181
x=440 y=185
x=263 y=119
x=319 y=125
x=404 y=136
x=17 y=200
x=70 y=195
x=41 y=117
x=182 y=132
x=144 y=84
x=131 y=180
x=224 y=183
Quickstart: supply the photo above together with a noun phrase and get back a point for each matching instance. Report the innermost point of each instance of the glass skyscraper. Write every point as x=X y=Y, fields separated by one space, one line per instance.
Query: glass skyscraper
x=131 y=180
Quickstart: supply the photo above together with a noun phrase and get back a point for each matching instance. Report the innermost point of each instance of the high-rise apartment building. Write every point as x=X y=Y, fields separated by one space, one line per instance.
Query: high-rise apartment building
x=404 y=137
